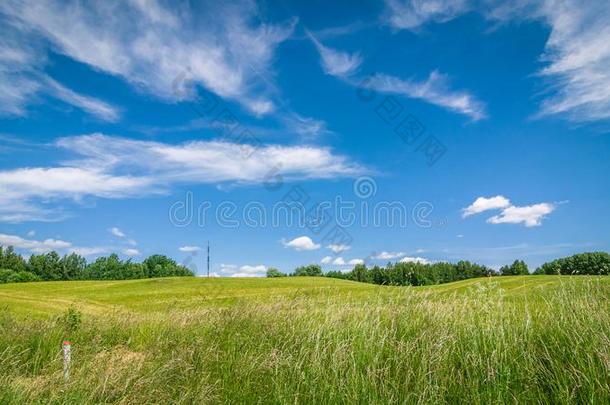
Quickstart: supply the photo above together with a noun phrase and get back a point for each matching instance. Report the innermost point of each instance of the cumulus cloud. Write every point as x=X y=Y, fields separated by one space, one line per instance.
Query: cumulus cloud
x=483 y=204
x=247 y=270
x=340 y=261
x=338 y=248
x=326 y=260
x=530 y=215
x=222 y=48
x=189 y=249
x=111 y=167
x=301 y=243
x=420 y=260
x=47 y=245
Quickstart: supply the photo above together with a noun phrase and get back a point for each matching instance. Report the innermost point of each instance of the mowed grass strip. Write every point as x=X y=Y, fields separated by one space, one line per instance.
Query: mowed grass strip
x=534 y=339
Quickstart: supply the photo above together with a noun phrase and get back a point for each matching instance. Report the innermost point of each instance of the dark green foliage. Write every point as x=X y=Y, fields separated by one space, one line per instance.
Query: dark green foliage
x=518 y=268
x=51 y=267
x=593 y=263
x=11 y=260
x=163 y=266
x=273 y=272
x=10 y=276
x=411 y=273
x=310 y=270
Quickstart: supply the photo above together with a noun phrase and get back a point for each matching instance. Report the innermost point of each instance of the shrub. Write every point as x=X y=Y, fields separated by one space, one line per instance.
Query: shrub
x=10 y=276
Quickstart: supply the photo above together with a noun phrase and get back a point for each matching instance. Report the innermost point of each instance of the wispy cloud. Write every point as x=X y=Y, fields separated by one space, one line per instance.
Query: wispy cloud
x=150 y=45
x=131 y=252
x=335 y=62
x=388 y=255
x=111 y=167
x=576 y=55
x=434 y=90
x=23 y=80
x=91 y=105
x=411 y=14
x=189 y=249
x=117 y=232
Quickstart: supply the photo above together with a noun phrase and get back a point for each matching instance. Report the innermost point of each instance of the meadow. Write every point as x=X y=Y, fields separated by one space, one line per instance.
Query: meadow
x=521 y=339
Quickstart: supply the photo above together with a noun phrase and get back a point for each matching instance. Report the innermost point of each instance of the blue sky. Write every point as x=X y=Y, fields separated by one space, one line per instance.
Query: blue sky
x=423 y=131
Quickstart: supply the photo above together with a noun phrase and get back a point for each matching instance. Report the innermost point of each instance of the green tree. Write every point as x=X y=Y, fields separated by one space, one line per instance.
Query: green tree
x=311 y=270
x=273 y=272
x=517 y=268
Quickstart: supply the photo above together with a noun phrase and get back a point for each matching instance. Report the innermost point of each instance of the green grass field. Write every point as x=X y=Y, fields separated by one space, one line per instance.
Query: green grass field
x=532 y=339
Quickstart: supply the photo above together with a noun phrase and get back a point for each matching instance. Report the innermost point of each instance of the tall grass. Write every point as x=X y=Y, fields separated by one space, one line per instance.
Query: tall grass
x=477 y=345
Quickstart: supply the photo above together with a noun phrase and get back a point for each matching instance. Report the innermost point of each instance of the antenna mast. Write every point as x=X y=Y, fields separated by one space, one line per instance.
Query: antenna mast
x=208 y=259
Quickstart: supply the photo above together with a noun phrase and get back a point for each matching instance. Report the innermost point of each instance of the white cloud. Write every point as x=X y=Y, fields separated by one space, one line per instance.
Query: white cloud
x=483 y=204
x=117 y=232
x=47 y=245
x=33 y=245
x=105 y=165
x=131 y=252
x=31 y=233
x=411 y=14
x=335 y=62
x=189 y=249
x=530 y=215
x=338 y=248
x=23 y=81
x=88 y=251
x=435 y=90
x=576 y=54
x=339 y=261
x=93 y=106
x=301 y=243
x=388 y=255
x=222 y=48
x=247 y=270
x=326 y=260
x=420 y=260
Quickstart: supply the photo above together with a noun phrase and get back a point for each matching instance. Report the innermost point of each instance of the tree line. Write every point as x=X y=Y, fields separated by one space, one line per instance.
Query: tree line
x=415 y=274
x=53 y=267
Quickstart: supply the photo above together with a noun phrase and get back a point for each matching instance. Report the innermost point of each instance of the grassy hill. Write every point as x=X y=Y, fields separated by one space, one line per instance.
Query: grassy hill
x=542 y=339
